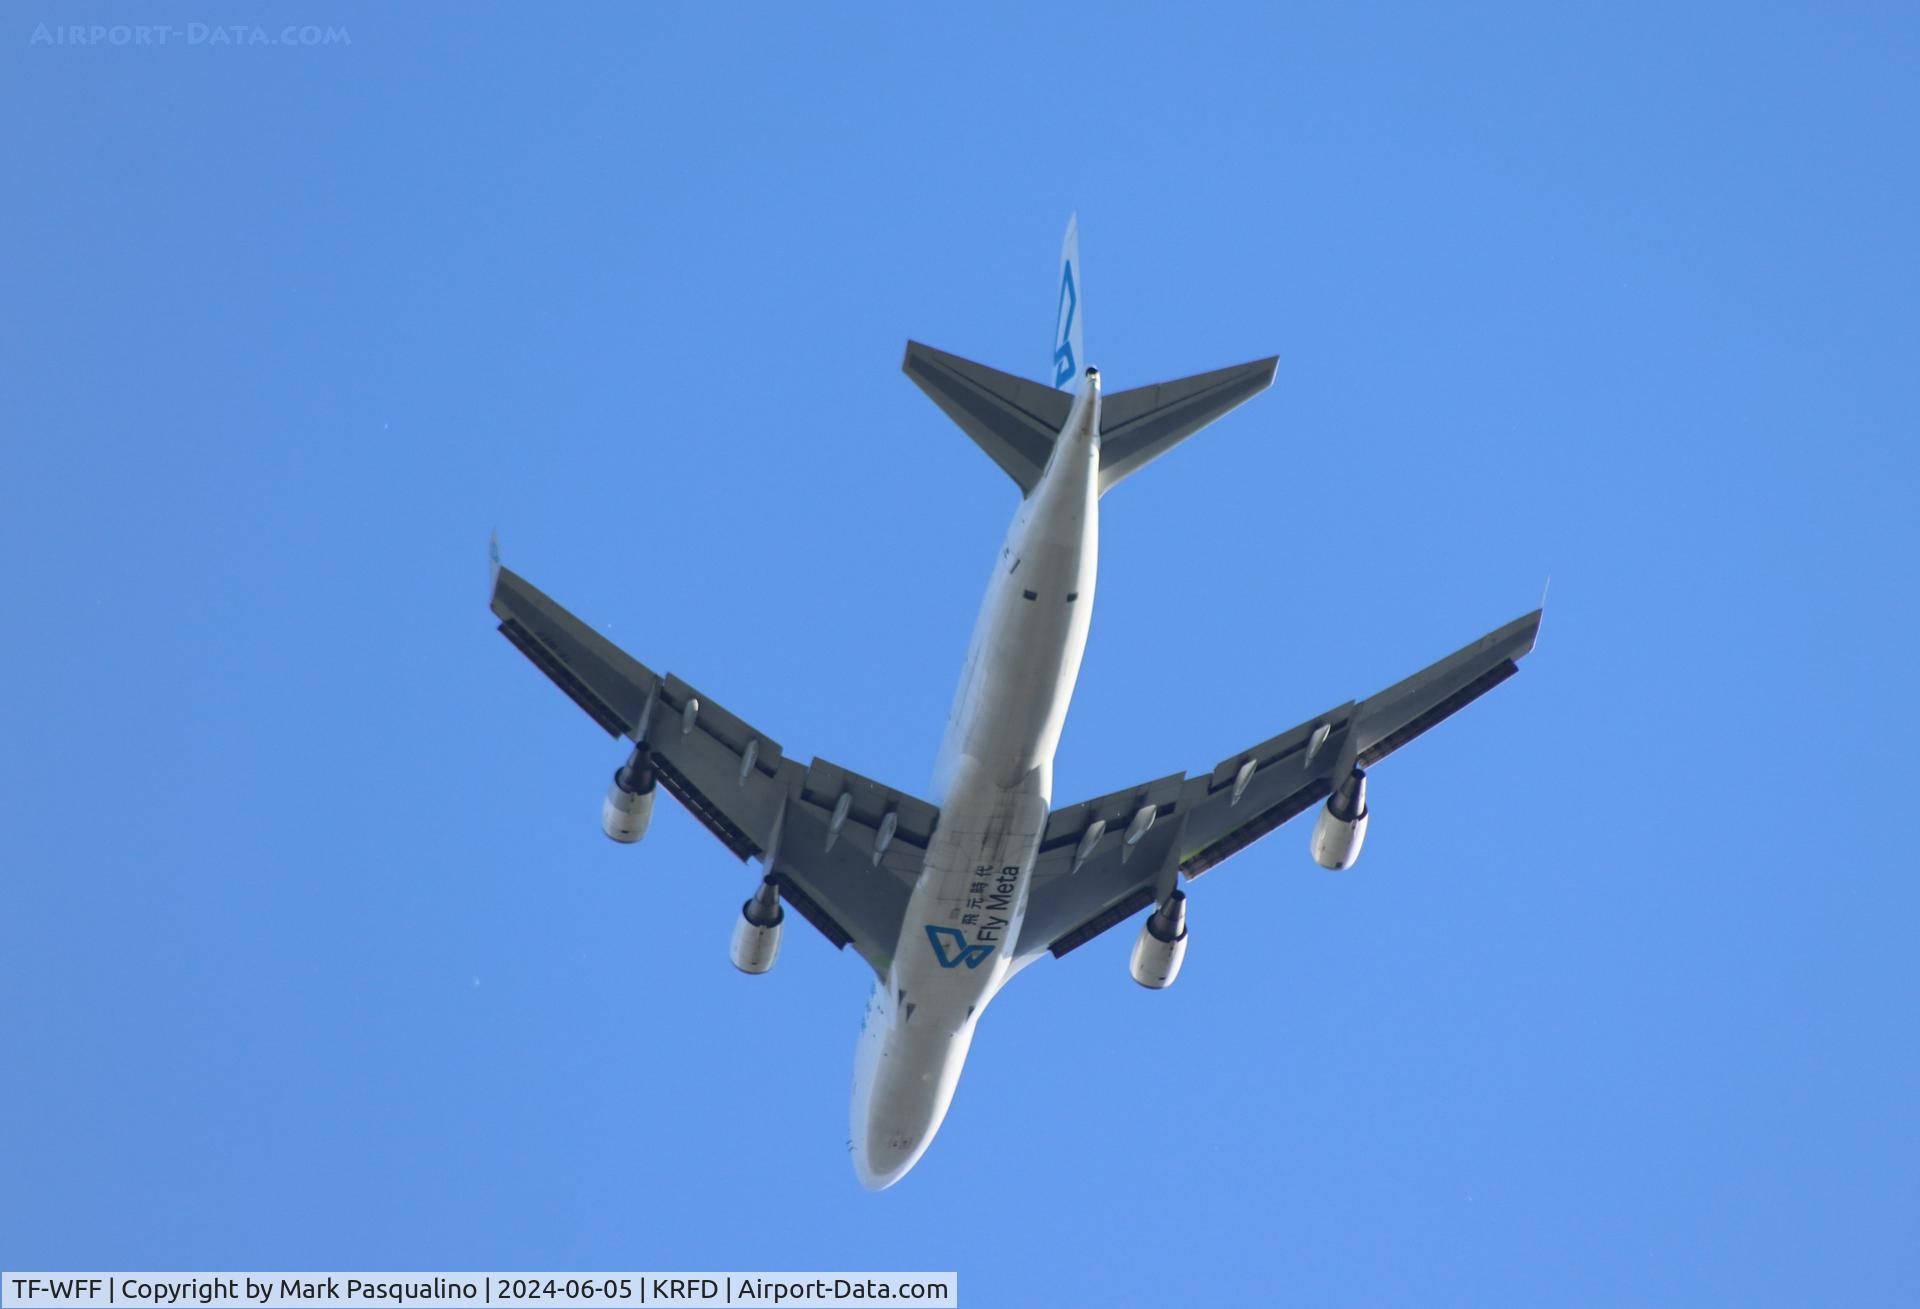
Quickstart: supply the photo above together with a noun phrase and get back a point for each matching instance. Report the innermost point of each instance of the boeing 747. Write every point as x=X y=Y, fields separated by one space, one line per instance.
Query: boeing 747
x=948 y=897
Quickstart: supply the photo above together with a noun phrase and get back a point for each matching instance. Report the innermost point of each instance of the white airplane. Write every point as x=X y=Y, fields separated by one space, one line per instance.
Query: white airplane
x=947 y=898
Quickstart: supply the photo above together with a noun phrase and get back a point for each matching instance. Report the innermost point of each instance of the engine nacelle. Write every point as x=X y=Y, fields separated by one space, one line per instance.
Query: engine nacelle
x=756 y=932
x=628 y=808
x=1342 y=826
x=1162 y=945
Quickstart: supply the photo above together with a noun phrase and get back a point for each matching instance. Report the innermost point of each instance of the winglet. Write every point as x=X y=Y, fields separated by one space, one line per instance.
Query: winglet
x=1528 y=626
x=493 y=559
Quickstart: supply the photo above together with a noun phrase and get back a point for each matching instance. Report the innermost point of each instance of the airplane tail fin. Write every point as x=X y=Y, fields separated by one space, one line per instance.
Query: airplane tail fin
x=1015 y=421
x=1069 y=340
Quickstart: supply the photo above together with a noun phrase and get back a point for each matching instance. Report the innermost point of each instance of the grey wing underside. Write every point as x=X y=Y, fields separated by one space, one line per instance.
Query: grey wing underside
x=852 y=885
x=1205 y=819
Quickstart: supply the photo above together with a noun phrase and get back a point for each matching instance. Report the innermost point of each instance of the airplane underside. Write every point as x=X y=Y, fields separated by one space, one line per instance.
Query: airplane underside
x=948 y=897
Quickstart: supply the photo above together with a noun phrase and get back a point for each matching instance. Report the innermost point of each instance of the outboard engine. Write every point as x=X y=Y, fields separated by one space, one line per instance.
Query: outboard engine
x=1342 y=827
x=1162 y=946
x=756 y=933
x=629 y=803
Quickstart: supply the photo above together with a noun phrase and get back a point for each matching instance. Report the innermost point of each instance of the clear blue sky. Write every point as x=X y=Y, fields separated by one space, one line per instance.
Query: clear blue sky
x=315 y=956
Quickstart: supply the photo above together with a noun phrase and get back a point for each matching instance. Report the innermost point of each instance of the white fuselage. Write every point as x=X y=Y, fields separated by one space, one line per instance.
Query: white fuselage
x=994 y=786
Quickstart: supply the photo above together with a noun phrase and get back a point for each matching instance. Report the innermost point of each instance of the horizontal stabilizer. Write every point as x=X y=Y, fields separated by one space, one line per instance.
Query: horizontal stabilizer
x=1138 y=426
x=1013 y=420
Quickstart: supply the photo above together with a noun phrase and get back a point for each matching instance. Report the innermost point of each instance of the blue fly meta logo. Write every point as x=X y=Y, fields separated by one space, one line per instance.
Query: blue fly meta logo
x=951 y=949
x=1063 y=360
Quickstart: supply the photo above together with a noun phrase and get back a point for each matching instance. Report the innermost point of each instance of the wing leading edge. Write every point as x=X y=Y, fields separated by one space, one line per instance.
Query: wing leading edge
x=1090 y=877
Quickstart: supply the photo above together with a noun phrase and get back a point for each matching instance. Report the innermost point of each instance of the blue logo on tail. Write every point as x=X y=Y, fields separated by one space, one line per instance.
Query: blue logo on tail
x=1063 y=360
x=951 y=949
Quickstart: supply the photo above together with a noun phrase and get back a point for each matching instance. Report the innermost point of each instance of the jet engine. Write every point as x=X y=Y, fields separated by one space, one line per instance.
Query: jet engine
x=1342 y=826
x=1162 y=945
x=629 y=803
x=756 y=932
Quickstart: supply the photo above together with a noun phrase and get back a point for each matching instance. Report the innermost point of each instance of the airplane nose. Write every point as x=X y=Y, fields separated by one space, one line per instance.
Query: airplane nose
x=882 y=1162
x=887 y=1152
x=900 y=1099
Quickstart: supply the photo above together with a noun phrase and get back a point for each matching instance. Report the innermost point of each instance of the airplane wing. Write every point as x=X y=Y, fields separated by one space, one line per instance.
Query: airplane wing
x=844 y=849
x=1095 y=870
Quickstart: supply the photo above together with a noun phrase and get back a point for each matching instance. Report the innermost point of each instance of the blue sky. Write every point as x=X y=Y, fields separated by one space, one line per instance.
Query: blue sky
x=316 y=957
